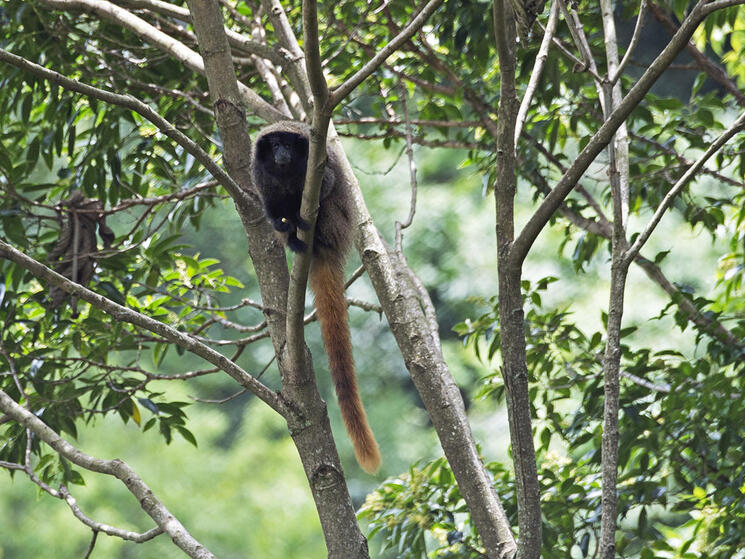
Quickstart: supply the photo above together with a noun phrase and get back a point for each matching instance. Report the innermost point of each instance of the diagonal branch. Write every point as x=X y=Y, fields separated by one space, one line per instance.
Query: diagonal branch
x=182 y=14
x=116 y=468
x=296 y=70
x=404 y=35
x=129 y=102
x=715 y=146
x=123 y=314
x=120 y=16
x=604 y=135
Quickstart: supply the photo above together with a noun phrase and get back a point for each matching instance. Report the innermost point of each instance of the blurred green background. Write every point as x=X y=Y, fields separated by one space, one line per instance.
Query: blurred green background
x=242 y=491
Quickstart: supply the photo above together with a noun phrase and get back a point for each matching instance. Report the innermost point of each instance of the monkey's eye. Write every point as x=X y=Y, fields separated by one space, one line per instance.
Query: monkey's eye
x=284 y=220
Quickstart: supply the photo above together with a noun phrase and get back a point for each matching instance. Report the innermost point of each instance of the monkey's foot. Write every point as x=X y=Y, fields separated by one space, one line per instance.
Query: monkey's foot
x=302 y=224
x=295 y=244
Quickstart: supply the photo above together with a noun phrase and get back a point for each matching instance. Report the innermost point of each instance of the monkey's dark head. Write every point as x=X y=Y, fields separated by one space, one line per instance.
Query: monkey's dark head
x=282 y=152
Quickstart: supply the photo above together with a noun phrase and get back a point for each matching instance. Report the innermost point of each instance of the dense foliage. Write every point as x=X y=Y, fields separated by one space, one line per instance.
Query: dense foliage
x=74 y=167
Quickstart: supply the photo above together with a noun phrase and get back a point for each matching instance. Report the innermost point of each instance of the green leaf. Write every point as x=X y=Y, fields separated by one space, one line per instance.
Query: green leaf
x=186 y=434
x=15 y=230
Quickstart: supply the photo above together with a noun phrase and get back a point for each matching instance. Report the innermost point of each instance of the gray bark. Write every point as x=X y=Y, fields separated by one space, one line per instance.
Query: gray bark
x=308 y=424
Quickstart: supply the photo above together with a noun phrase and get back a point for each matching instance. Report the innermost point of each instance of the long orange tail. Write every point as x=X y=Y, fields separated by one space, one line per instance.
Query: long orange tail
x=327 y=283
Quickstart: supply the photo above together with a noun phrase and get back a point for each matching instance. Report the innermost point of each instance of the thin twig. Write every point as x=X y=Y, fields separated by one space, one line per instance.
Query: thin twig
x=412 y=172
x=97 y=527
x=414 y=122
x=535 y=75
x=634 y=41
x=92 y=544
x=449 y=144
x=715 y=146
x=404 y=35
x=240 y=392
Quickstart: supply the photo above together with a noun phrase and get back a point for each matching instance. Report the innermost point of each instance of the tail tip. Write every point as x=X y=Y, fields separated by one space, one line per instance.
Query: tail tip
x=369 y=461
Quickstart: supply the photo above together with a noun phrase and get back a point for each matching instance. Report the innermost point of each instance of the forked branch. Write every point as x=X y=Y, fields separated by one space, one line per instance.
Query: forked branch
x=600 y=140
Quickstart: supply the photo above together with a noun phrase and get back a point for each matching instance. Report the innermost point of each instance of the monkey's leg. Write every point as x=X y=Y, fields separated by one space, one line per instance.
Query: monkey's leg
x=295 y=244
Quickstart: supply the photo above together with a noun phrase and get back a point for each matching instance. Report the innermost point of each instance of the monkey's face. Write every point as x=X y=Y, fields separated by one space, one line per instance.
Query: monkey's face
x=283 y=152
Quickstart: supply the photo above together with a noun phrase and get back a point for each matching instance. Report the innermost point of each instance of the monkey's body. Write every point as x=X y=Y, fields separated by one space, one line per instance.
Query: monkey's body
x=279 y=162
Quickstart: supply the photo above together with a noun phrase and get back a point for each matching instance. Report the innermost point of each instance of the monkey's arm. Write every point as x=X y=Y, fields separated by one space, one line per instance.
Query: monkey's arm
x=279 y=214
x=285 y=216
x=284 y=220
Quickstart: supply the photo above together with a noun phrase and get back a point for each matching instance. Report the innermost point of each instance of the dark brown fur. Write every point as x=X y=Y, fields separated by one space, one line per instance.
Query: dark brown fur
x=281 y=189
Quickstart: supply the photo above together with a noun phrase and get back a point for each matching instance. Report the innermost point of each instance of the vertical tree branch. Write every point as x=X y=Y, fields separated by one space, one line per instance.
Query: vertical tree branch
x=619 y=151
x=600 y=139
x=309 y=424
x=311 y=189
x=611 y=390
x=511 y=316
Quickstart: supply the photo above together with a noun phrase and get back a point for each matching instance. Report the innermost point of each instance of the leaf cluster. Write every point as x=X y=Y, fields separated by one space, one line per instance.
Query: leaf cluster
x=67 y=365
